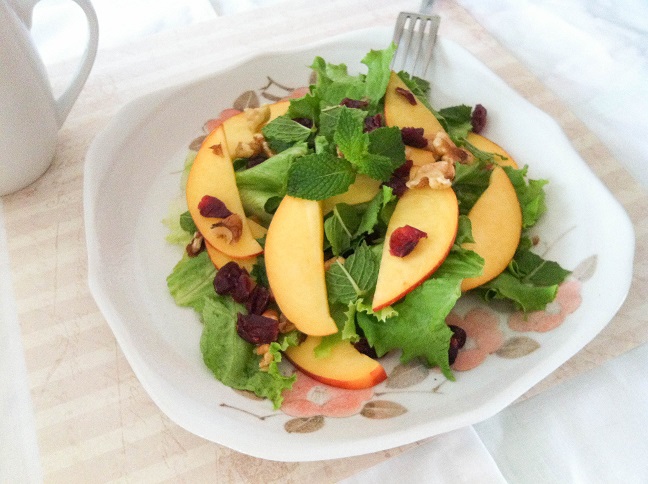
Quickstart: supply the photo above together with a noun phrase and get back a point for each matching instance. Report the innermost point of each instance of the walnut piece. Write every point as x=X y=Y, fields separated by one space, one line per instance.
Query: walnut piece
x=257 y=117
x=265 y=147
x=196 y=245
x=435 y=175
x=229 y=229
x=285 y=325
x=266 y=356
x=446 y=150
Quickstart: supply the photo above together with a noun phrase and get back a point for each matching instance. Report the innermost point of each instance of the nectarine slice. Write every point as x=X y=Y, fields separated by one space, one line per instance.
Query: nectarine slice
x=401 y=113
x=344 y=367
x=294 y=260
x=212 y=174
x=435 y=212
x=362 y=190
x=496 y=218
x=219 y=259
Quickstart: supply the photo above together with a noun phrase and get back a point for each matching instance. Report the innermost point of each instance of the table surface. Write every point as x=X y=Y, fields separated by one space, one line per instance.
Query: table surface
x=93 y=420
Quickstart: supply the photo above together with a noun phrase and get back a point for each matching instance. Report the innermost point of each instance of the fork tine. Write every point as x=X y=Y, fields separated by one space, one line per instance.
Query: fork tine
x=415 y=35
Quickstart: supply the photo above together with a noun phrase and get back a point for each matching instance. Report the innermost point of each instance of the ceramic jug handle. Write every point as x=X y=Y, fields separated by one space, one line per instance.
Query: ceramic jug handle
x=66 y=100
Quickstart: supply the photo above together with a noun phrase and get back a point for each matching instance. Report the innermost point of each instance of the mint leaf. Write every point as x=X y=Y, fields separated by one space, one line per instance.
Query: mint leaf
x=282 y=132
x=340 y=226
x=458 y=121
x=330 y=116
x=371 y=216
x=349 y=137
x=419 y=329
x=421 y=89
x=319 y=176
x=470 y=182
x=530 y=194
x=354 y=278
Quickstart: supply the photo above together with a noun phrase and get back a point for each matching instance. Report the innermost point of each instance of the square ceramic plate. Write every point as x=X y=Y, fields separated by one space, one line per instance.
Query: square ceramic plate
x=133 y=172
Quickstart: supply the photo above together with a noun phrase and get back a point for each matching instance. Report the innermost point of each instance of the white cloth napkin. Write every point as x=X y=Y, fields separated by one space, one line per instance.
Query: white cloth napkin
x=19 y=458
x=455 y=457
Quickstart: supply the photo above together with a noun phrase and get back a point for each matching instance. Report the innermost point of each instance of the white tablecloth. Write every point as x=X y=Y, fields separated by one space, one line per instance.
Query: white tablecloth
x=593 y=54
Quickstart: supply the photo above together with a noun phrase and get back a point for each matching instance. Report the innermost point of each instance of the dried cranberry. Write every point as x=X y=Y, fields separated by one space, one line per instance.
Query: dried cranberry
x=414 y=137
x=407 y=95
x=363 y=346
x=259 y=299
x=404 y=239
x=478 y=118
x=457 y=341
x=372 y=122
x=398 y=180
x=354 y=103
x=306 y=122
x=257 y=329
x=212 y=207
x=234 y=280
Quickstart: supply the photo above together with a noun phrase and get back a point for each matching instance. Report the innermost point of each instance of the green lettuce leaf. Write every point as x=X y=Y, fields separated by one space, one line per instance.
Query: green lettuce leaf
x=530 y=193
x=233 y=360
x=267 y=180
x=192 y=281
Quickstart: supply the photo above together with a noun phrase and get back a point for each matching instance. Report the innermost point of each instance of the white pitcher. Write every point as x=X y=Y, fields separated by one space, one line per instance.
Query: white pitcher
x=30 y=117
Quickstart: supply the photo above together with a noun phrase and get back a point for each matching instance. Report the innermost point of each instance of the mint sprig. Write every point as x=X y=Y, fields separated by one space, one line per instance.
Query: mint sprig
x=318 y=176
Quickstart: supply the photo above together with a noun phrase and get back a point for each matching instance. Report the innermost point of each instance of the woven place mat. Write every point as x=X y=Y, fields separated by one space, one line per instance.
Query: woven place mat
x=94 y=420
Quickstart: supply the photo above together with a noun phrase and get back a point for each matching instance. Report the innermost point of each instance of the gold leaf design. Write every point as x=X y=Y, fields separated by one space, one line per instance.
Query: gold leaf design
x=586 y=269
x=517 y=347
x=248 y=99
x=407 y=375
x=304 y=425
x=379 y=409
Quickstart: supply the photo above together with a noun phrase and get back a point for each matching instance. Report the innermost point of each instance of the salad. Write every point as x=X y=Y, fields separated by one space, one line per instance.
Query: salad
x=335 y=227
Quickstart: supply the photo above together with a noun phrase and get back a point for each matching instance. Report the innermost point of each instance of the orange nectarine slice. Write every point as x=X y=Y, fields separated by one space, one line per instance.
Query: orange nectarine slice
x=496 y=218
x=294 y=260
x=362 y=190
x=344 y=367
x=399 y=112
x=435 y=212
x=219 y=259
x=212 y=174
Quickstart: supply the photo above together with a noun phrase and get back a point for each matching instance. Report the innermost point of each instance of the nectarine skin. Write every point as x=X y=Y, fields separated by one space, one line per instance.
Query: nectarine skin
x=344 y=367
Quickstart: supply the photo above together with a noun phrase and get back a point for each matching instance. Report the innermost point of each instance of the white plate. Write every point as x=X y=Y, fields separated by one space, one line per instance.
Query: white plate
x=132 y=172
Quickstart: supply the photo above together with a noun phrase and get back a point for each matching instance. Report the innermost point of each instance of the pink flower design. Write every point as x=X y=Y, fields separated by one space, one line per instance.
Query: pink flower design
x=225 y=114
x=483 y=337
x=308 y=398
x=297 y=93
x=567 y=301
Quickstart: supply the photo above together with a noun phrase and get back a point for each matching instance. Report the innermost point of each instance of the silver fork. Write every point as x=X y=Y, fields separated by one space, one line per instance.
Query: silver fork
x=415 y=35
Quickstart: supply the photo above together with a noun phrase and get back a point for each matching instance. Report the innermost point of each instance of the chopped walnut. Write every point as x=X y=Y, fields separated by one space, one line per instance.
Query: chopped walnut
x=248 y=150
x=266 y=356
x=435 y=175
x=229 y=229
x=285 y=325
x=265 y=147
x=257 y=117
x=446 y=150
x=196 y=245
